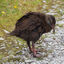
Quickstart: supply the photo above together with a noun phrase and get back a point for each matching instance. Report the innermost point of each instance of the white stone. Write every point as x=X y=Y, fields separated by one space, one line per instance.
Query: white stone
x=1 y=38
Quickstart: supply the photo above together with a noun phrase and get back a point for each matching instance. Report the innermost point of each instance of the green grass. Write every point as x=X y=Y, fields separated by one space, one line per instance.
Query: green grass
x=9 y=14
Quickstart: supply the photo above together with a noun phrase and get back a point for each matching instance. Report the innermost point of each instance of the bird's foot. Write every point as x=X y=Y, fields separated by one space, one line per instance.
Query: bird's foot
x=37 y=55
x=32 y=50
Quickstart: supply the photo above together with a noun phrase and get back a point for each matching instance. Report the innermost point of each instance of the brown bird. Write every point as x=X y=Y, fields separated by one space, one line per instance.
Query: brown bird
x=31 y=26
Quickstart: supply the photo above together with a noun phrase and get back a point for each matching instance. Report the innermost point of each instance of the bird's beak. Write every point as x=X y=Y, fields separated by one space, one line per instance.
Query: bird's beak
x=54 y=30
x=53 y=27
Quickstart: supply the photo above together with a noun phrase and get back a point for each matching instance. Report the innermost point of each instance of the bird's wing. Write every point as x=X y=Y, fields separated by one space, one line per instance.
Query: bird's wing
x=29 y=24
x=34 y=26
x=19 y=21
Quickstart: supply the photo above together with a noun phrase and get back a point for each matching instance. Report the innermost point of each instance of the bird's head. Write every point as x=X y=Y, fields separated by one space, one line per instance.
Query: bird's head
x=51 y=22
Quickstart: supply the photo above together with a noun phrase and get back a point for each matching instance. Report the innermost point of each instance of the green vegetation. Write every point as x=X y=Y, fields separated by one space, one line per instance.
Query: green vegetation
x=11 y=10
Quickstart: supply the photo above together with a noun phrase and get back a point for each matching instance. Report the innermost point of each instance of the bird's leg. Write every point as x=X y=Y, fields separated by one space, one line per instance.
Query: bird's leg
x=34 y=51
x=33 y=48
x=28 y=43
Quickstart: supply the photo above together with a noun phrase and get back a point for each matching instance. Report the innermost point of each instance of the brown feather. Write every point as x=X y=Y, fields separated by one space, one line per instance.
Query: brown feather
x=32 y=25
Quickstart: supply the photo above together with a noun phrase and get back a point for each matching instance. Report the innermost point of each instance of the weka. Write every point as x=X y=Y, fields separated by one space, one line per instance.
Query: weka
x=31 y=26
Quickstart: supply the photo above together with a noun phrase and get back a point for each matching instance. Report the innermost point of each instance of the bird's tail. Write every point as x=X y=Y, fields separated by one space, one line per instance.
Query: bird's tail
x=12 y=33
